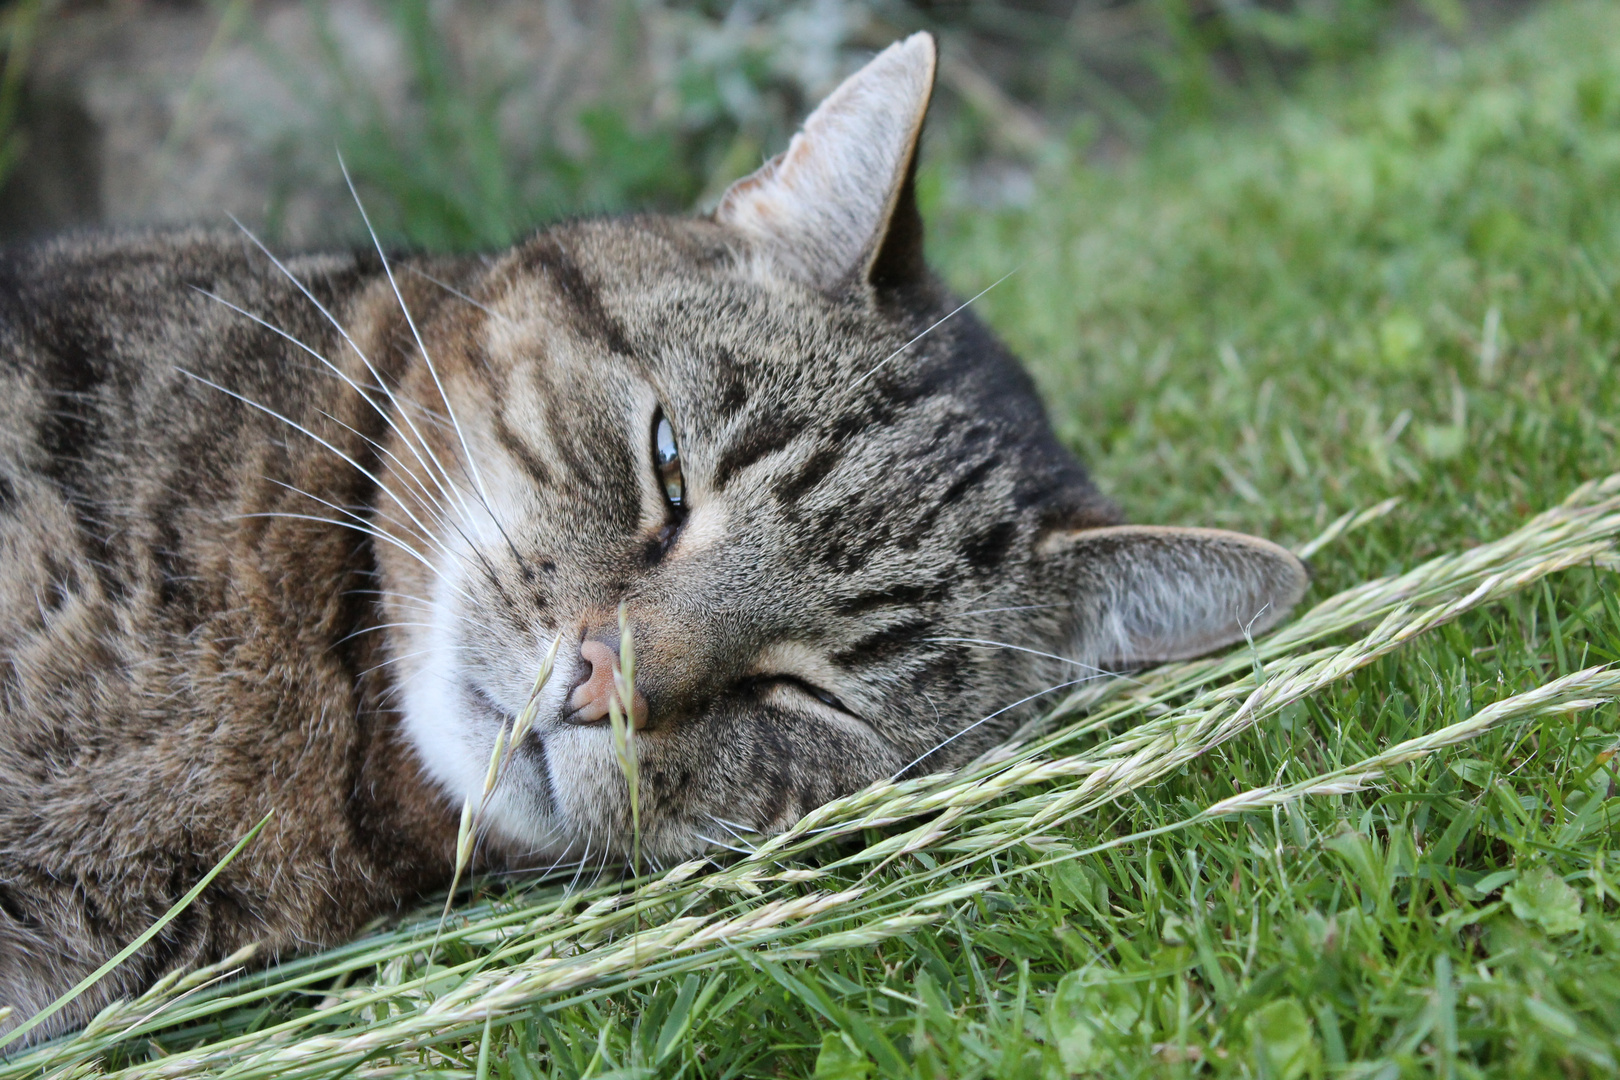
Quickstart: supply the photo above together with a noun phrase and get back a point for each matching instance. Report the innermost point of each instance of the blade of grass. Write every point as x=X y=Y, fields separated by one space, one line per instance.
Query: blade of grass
x=129 y=950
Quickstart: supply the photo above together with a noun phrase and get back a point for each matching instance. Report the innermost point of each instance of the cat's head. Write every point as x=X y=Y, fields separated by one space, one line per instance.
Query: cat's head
x=826 y=499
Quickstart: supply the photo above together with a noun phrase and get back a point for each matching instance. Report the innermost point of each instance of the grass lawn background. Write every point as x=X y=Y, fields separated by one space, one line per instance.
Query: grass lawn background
x=1399 y=280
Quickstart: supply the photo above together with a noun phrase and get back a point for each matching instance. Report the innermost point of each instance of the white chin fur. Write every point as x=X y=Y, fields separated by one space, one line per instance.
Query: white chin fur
x=454 y=738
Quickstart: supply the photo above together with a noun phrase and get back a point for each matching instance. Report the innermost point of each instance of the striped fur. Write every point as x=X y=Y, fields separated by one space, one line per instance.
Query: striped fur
x=295 y=537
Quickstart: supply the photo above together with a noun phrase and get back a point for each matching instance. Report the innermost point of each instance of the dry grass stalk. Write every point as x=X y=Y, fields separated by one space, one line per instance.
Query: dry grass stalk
x=681 y=921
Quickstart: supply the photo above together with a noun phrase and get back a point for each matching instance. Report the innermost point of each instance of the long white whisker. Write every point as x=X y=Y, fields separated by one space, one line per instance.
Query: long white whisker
x=365 y=531
x=472 y=545
x=432 y=606
x=472 y=465
x=419 y=445
x=481 y=491
x=582 y=860
x=1019 y=648
x=715 y=843
x=453 y=291
x=601 y=868
x=536 y=872
x=340 y=373
x=411 y=656
x=348 y=512
x=435 y=509
x=300 y=428
x=942 y=320
x=983 y=719
x=727 y=825
x=380 y=626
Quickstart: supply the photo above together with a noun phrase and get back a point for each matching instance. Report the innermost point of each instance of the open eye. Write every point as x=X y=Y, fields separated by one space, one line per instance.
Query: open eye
x=667 y=462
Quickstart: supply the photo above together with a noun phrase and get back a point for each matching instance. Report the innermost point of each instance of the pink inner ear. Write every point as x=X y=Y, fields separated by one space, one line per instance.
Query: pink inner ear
x=823 y=204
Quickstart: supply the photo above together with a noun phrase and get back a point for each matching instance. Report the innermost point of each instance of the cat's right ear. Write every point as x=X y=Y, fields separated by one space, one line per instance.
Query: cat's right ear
x=838 y=204
x=1145 y=594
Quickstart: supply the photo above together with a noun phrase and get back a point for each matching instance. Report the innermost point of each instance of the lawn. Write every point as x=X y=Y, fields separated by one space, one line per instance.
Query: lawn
x=1400 y=281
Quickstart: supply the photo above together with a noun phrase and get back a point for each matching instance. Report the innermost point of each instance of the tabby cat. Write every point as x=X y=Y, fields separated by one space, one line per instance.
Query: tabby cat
x=298 y=535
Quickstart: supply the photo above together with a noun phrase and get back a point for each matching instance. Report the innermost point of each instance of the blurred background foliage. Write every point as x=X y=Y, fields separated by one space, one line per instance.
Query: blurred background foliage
x=467 y=123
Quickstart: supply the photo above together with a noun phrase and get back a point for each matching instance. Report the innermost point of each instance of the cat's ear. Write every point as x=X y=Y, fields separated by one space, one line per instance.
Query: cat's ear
x=1145 y=594
x=839 y=201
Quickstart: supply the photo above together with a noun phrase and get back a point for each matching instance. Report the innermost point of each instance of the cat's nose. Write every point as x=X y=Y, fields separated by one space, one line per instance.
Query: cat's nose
x=595 y=687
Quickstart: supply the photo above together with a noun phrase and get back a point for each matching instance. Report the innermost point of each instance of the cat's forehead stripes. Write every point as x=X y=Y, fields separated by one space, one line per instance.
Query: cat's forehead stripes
x=880 y=495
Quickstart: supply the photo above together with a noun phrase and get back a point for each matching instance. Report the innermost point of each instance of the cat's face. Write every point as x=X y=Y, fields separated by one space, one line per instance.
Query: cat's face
x=830 y=510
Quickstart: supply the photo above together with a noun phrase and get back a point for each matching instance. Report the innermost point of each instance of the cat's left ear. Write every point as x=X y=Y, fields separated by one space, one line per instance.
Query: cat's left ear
x=1145 y=594
x=838 y=204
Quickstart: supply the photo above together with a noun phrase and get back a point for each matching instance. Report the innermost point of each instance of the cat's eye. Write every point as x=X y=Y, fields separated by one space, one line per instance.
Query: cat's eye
x=810 y=689
x=667 y=462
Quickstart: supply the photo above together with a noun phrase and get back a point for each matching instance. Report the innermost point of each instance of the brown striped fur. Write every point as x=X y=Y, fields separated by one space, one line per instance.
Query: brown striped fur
x=264 y=549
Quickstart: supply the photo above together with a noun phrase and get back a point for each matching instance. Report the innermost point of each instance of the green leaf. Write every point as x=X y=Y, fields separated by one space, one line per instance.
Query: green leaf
x=678 y=1020
x=1552 y=1018
x=1284 y=1044
x=840 y=1060
x=1079 y=887
x=1543 y=897
x=1086 y=1014
x=1476 y=771
x=1491 y=882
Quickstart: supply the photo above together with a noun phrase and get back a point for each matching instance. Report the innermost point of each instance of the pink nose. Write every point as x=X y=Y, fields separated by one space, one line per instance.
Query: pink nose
x=590 y=698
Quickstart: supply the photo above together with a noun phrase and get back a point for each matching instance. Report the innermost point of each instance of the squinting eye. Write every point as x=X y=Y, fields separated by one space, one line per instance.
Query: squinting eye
x=813 y=690
x=667 y=462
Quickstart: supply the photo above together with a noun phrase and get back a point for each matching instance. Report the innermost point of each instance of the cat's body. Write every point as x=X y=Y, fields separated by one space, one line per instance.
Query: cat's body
x=174 y=668
x=268 y=549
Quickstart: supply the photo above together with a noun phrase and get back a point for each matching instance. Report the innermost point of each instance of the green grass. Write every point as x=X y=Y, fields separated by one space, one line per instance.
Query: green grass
x=1403 y=280
x=1261 y=325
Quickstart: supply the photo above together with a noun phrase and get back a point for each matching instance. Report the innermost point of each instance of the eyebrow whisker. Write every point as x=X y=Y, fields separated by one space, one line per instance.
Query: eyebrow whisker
x=988 y=643
x=1006 y=708
x=938 y=323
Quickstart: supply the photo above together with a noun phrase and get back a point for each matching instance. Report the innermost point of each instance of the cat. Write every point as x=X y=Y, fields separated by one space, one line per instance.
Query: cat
x=299 y=535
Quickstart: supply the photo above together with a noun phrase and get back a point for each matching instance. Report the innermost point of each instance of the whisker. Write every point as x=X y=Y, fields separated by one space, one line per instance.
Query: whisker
x=727 y=825
x=300 y=428
x=601 y=869
x=943 y=319
x=375 y=534
x=986 y=642
x=411 y=656
x=983 y=719
x=410 y=321
x=437 y=509
x=380 y=626
x=430 y=540
x=453 y=291
x=482 y=492
x=334 y=369
x=715 y=843
x=582 y=860
x=433 y=506
x=540 y=875
x=731 y=824
x=472 y=545
x=419 y=445
x=433 y=606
